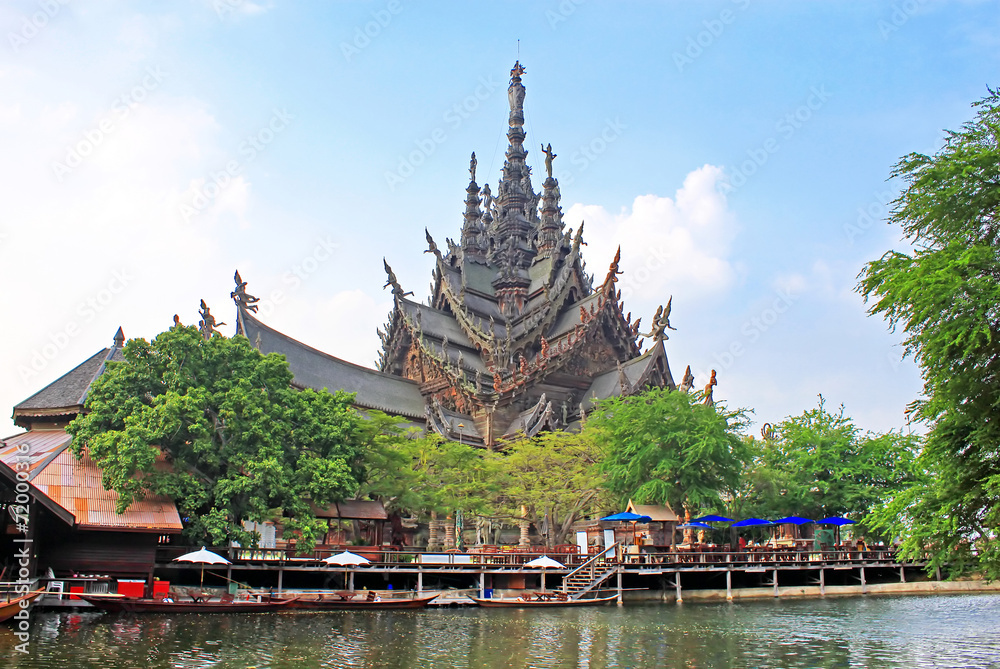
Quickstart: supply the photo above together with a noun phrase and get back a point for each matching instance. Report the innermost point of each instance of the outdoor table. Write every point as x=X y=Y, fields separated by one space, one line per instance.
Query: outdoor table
x=346 y=595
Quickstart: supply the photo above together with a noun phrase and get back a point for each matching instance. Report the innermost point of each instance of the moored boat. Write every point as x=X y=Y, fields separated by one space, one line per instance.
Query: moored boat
x=9 y=609
x=540 y=603
x=344 y=601
x=119 y=604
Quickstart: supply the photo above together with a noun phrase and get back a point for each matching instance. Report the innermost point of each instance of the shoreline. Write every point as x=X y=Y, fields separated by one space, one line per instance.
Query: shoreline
x=814 y=592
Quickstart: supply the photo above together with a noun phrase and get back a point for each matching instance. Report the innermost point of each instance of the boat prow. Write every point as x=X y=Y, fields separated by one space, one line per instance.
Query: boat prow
x=10 y=609
x=541 y=604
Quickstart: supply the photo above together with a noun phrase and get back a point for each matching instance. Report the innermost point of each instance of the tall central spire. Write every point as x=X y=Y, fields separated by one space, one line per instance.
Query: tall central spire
x=515 y=188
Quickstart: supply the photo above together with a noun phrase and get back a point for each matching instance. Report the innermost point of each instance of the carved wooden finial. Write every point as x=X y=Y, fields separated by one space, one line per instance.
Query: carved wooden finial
x=119 y=338
x=241 y=296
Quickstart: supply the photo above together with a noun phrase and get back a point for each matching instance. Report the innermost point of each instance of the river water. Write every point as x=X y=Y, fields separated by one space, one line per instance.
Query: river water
x=872 y=631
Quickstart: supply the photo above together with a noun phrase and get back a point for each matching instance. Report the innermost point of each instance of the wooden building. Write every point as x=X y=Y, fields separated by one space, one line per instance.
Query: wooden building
x=69 y=520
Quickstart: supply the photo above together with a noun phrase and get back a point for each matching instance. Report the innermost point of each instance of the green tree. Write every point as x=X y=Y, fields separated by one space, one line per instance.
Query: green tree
x=820 y=464
x=664 y=446
x=945 y=295
x=554 y=476
x=239 y=442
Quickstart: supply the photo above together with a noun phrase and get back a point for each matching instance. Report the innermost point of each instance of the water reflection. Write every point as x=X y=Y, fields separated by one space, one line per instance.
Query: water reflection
x=959 y=631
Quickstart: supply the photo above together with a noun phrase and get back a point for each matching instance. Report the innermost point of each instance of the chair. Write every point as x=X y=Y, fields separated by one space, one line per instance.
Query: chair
x=371 y=596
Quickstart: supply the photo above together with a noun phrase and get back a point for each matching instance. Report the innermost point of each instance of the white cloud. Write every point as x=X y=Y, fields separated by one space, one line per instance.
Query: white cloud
x=669 y=246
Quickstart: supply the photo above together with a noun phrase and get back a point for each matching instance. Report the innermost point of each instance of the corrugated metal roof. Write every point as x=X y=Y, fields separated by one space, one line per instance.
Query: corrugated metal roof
x=76 y=486
x=353 y=510
x=42 y=447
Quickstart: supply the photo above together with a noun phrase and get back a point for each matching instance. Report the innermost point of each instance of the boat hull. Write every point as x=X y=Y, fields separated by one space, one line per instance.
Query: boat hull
x=130 y=605
x=555 y=603
x=10 y=609
x=306 y=603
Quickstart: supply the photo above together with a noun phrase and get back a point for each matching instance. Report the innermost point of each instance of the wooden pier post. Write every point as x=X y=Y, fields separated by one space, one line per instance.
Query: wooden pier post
x=775 y=581
x=677 y=586
x=620 y=601
x=420 y=581
x=729 y=585
x=862 y=580
x=902 y=575
x=281 y=574
x=482 y=584
x=822 y=584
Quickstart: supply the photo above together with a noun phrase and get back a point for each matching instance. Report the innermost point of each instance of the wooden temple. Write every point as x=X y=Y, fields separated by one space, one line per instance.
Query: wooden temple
x=516 y=337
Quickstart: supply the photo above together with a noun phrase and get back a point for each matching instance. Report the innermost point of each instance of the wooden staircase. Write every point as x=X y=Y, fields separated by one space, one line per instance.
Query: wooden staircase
x=591 y=574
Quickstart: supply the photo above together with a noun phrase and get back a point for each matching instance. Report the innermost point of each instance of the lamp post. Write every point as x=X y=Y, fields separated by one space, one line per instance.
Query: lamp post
x=461 y=426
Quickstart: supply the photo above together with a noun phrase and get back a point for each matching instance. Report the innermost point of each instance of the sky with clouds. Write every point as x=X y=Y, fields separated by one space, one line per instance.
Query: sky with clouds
x=737 y=151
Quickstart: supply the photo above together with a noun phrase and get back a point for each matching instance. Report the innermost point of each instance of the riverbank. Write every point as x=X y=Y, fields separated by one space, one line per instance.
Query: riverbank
x=814 y=591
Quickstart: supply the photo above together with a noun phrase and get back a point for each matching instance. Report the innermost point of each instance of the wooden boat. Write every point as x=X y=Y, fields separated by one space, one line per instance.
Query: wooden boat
x=9 y=609
x=343 y=602
x=119 y=604
x=540 y=603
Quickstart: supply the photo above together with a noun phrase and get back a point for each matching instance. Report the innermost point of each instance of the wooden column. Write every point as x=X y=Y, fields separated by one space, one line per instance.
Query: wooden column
x=862 y=580
x=822 y=584
x=729 y=585
x=677 y=586
x=775 y=582
x=420 y=582
x=620 y=601
x=281 y=578
x=482 y=584
x=902 y=575
x=523 y=538
x=351 y=581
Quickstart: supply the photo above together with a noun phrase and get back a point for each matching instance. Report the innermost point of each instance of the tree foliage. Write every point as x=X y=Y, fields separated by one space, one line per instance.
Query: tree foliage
x=554 y=476
x=820 y=464
x=239 y=442
x=664 y=446
x=945 y=295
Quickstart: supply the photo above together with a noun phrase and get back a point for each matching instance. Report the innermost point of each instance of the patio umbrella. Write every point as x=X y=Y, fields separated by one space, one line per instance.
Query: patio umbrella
x=794 y=520
x=631 y=517
x=838 y=522
x=346 y=559
x=628 y=516
x=543 y=563
x=751 y=522
x=694 y=524
x=712 y=518
x=202 y=557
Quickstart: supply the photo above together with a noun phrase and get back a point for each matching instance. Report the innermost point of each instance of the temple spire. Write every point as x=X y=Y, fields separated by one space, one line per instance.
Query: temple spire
x=473 y=244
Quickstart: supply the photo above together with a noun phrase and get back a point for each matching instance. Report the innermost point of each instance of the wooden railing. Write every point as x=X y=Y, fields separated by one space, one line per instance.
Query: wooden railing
x=516 y=556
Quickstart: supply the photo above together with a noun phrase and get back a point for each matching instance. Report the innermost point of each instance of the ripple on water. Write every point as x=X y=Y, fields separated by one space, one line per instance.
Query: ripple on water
x=933 y=631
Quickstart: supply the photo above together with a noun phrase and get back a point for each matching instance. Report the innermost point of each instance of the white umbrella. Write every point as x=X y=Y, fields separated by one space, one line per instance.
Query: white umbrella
x=202 y=557
x=346 y=559
x=543 y=563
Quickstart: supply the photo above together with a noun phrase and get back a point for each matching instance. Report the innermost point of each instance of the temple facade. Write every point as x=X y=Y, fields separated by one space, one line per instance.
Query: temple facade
x=515 y=338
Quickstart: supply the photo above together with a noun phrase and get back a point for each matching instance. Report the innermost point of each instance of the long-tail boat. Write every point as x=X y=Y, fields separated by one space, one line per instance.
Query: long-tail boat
x=345 y=600
x=10 y=608
x=544 y=602
x=119 y=604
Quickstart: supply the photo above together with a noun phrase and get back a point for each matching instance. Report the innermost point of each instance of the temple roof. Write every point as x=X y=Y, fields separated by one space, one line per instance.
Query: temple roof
x=315 y=369
x=65 y=396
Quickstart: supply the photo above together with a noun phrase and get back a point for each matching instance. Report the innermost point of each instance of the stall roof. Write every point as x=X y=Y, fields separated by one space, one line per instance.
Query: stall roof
x=353 y=509
x=658 y=514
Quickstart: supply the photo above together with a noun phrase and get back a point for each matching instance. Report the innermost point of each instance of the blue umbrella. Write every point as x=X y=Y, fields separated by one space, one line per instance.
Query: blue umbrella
x=713 y=519
x=795 y=520
x=752 y=522
x=694 y=524
x=629 y=516
x=836 y=520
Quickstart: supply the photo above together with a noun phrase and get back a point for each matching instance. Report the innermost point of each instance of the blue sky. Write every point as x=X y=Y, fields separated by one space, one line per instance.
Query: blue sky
x=729 y=147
